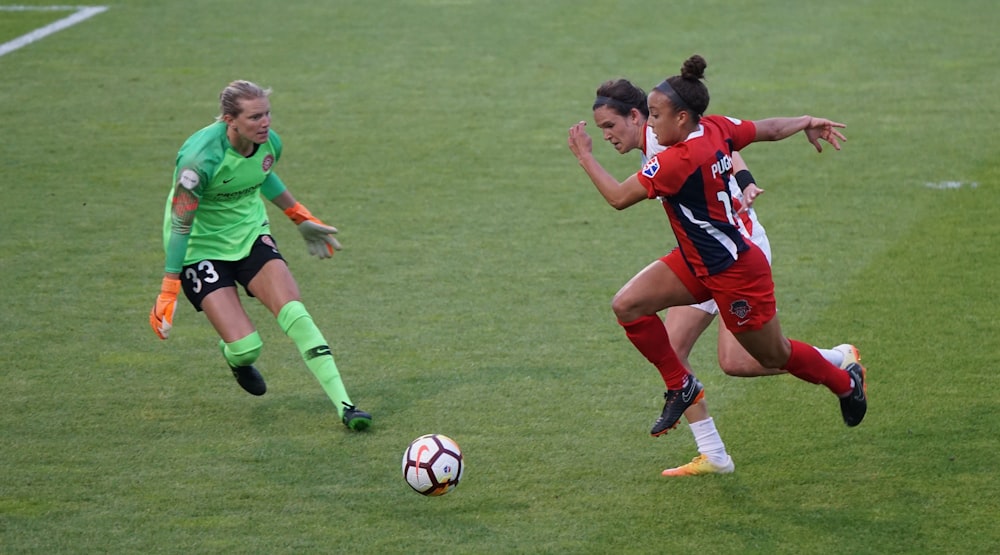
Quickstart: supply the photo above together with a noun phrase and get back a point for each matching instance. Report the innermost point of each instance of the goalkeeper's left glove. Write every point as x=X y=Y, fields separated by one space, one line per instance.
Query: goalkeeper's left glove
x=318 y=236
x=161 y=318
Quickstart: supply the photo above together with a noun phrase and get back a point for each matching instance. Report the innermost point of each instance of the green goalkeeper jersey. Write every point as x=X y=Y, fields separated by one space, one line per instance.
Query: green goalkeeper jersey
x=214 y=210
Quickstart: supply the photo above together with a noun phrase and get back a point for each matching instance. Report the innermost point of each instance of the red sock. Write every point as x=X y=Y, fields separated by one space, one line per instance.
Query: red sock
x=807 y=364
x=650 y=337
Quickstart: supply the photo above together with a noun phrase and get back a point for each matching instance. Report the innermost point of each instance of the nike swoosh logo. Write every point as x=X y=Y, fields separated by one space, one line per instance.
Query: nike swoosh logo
x=317 y=352
x=742 y=322
x=859 y=393
x=420 y=452
x=687 y=394
x=224 y=181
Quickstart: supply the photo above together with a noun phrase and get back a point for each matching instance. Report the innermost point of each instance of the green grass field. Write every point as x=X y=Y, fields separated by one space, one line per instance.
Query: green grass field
x=472 y=296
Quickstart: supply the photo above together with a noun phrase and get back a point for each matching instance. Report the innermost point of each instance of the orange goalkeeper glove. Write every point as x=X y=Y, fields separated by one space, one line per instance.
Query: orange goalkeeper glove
x=318 y=236
x=161 y=318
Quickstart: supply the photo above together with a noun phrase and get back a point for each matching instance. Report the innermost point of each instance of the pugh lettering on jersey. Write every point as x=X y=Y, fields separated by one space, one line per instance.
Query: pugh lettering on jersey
x=723 y=165
x=651 y=167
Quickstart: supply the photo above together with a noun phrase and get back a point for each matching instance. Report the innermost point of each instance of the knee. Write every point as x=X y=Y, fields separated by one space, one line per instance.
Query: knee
x=617 y=306
x=738 y=366
x=246 y=351
x=743 y=370
x=291 y=313
x=625 y=307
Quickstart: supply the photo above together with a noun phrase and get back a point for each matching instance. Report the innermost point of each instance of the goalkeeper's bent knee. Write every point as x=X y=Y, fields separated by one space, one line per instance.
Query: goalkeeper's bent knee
x=245 y=351
x=290 y=313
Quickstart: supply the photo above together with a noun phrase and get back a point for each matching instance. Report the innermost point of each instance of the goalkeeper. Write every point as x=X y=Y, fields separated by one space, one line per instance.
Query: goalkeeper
x=216 y=235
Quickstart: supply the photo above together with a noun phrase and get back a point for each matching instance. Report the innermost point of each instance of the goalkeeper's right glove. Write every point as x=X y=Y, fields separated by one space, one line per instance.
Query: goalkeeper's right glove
x=318 y=236
x=161 y=318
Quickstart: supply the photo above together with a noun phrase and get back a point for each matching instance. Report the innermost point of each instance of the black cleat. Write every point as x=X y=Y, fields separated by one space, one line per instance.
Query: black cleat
x=675 y=402
x=356 y=419
x=854 y=406
x=249 y=379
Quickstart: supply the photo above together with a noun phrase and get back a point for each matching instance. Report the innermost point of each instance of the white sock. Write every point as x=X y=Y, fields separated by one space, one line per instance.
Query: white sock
x=709 y=441
x=832 y=356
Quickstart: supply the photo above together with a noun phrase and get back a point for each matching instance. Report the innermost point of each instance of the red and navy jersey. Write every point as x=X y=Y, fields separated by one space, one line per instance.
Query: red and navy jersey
x=691 y=179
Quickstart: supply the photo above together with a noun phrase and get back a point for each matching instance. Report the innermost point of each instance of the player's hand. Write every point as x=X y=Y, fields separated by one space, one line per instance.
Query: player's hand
x=318 y=236
x=819 y=128
x=749 y=195
x=161 y=318
x=579 y=141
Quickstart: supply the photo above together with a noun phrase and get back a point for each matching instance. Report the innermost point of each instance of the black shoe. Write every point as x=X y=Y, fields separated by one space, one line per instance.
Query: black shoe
x=675 y=402
x=854 y=406
x=356 y=419
x=249 y=379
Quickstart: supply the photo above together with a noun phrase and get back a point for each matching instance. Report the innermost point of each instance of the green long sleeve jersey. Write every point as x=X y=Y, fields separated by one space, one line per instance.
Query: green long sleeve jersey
x=214 y=210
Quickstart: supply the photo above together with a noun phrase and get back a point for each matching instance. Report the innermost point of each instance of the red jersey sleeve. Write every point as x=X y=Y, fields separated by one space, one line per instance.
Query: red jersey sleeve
x=742 y=132
x=664 y=174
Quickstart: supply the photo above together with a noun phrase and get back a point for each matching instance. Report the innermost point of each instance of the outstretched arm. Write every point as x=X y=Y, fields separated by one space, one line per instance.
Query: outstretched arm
x=776 y=129
x=618 y=195
x=318 y=236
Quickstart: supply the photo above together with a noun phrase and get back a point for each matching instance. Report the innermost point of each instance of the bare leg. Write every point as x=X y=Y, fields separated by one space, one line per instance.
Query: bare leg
x=736 y=361
x=224 y=311
x=685 y=324
x=773 y=350
x=274 y=286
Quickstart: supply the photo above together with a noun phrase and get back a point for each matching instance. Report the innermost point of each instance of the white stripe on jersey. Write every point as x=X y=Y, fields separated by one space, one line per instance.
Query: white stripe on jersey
x=653 y=147
x=707 y=227
x=755 y=232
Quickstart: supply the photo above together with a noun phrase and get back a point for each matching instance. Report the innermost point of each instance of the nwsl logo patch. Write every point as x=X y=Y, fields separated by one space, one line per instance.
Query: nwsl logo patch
x=651 y=167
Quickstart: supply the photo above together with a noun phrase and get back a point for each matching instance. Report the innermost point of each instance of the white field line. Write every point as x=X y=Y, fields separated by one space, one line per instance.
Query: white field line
x=81 y=13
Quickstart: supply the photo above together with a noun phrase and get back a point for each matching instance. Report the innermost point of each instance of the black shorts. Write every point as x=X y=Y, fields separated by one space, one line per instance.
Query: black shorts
x=201 y=278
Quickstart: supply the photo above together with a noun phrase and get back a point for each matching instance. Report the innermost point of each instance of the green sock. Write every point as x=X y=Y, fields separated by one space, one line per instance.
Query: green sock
x=297 y=324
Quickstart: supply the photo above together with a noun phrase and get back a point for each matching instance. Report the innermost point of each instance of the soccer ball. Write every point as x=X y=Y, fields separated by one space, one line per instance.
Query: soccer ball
x=432 y=464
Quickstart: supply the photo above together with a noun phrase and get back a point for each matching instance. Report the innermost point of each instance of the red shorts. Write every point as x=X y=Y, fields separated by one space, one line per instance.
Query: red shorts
x=743 y=291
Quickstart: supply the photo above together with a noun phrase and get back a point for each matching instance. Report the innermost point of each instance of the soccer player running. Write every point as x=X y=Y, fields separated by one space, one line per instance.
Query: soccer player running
x=714 y=259
x=620 y=111
x=216 y=234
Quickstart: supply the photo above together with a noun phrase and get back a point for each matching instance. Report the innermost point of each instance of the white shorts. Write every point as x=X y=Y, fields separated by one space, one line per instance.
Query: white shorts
x=759 y=238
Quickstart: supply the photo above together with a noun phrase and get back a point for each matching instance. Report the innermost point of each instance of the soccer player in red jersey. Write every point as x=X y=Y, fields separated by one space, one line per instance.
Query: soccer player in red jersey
x=714 y=259
x=621 y=112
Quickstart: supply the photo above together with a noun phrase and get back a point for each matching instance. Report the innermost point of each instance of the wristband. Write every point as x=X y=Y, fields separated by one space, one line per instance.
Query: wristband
x=744 y=179
x=170 y=285
x=299 y=214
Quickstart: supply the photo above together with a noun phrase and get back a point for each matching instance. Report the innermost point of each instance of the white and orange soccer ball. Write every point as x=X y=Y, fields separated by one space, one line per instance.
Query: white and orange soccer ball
x=432 y=464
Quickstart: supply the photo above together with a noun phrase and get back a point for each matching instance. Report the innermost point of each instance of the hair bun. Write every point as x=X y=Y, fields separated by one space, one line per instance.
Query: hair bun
x=694 y=68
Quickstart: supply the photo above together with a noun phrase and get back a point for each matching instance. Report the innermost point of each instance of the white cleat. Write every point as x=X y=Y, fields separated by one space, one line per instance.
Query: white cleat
x=851 y=355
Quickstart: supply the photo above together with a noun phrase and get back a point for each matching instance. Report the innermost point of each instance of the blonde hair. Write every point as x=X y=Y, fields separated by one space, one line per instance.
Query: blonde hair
x=230 y=97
